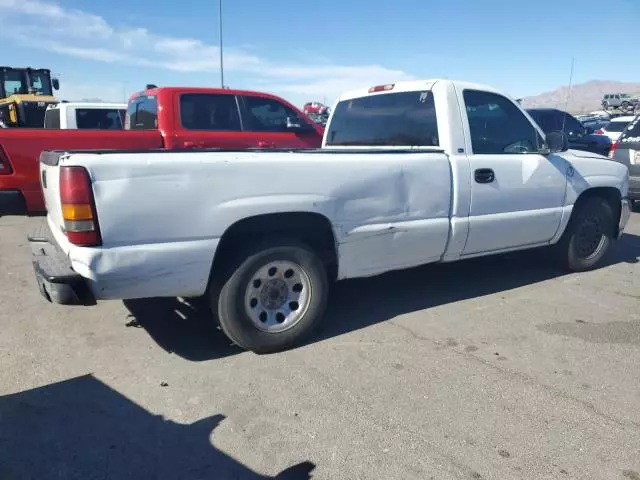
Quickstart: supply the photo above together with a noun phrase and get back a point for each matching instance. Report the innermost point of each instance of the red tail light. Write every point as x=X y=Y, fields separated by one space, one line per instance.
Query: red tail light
x=5 y=166
x=613 y=148
x=599 y=132
x=78 y=207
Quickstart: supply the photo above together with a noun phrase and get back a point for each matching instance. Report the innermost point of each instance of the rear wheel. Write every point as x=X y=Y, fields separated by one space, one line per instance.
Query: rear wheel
x=274 y=297
x=588 y=235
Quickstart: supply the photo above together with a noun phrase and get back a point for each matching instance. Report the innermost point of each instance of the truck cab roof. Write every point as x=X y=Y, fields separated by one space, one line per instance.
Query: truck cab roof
x=411 y=86
x=209 y=90
x=86 y=105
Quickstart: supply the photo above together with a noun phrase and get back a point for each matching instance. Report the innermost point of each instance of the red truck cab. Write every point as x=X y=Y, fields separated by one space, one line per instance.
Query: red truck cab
x=158 y=118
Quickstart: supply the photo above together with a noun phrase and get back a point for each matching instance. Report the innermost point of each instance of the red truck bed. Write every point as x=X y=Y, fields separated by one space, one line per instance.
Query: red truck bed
x=168 y=117
x=20 y=190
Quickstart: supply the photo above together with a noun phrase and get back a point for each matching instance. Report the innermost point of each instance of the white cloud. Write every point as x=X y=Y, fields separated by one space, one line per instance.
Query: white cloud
x=106 y=93
x=51 y=27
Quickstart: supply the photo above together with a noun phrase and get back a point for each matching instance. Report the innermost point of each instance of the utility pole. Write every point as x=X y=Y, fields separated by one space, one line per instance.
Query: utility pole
x=221 y=55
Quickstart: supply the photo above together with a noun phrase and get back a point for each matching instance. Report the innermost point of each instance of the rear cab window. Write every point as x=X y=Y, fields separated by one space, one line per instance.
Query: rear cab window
x=99 y=119
x=52 y=119
x=546 y=120
x=616 y=126
x=389 y=119
x=212 y=112
x=142 y=113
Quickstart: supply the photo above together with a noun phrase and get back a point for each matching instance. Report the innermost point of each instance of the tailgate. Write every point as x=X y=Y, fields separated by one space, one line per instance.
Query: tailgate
x=50 y=182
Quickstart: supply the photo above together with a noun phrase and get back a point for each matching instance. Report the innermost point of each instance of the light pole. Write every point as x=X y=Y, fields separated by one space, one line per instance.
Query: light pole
x=221 y=56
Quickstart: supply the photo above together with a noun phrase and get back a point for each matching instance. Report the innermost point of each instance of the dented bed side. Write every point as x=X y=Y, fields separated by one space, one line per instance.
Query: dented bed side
x=162 y=215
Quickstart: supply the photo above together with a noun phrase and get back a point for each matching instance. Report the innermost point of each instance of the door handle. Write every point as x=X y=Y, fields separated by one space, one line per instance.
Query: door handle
x=265 y=144
x=484 y=175
x=189 y=144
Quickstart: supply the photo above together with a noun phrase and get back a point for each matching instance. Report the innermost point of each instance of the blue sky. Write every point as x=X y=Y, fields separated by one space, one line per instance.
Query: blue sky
x=314 y=50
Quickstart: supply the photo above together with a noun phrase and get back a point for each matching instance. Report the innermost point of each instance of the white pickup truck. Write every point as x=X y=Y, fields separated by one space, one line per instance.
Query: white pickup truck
x=409 y=173
x=85 y=115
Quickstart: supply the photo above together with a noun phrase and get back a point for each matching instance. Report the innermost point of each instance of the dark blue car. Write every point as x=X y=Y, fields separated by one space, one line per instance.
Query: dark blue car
x=580 y=137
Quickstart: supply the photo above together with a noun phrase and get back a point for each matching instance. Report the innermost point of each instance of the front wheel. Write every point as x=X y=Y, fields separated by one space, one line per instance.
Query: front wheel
x=588 y=235
x=275 y=296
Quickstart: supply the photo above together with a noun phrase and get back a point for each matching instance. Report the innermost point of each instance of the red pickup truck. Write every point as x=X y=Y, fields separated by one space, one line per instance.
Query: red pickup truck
x=158 y=118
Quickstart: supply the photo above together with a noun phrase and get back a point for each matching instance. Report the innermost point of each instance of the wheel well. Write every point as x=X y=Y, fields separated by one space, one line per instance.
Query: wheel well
x=313 y=229
x=610 y=194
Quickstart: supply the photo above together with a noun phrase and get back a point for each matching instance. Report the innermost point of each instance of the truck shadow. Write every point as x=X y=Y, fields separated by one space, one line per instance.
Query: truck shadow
x=359 y=303
x=183 y=327
x=186 y=328
x=81 y=429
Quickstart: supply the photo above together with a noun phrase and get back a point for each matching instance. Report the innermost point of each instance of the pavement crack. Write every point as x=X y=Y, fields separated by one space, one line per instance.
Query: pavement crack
x=523 y=377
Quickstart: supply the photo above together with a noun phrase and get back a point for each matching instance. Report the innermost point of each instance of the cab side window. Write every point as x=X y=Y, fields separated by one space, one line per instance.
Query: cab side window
x=572 y=127
x=268 y=115
x=204 y=111
x=497 y=126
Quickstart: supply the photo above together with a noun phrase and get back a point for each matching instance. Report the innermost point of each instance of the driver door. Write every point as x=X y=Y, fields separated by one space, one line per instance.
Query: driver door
x=517 y=194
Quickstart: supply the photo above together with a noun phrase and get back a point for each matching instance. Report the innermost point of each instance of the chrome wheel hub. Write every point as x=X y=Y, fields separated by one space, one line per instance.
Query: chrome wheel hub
x=277 y=296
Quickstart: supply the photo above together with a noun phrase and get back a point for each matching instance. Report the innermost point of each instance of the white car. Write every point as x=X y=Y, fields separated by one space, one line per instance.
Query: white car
x=409 y=173
x=85 y=115
x=614 y=128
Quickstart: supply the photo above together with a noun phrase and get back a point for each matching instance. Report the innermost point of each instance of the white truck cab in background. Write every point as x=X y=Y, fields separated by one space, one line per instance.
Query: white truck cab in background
x=85 y=115
x=409 y=173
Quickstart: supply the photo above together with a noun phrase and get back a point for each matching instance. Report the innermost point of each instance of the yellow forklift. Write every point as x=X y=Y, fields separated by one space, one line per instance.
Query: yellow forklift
x=25 y=94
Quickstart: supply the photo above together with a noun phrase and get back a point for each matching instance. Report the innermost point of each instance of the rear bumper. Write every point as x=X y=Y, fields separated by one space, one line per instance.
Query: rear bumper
x=56 y=279
x=12 y=202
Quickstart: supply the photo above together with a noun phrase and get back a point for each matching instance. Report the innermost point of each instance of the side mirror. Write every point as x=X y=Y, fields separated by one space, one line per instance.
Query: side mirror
x=556 y=142
x=55 y=84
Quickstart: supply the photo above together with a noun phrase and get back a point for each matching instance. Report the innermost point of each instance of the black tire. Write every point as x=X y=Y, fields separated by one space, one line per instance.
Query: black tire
x=229 y=300
x=624 y=106
x=588 y=235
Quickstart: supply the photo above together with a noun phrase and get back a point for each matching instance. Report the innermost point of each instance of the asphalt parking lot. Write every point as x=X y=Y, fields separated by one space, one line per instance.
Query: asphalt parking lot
x=487 y=369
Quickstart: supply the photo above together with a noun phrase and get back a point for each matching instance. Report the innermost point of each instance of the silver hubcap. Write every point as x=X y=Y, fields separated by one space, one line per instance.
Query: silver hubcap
x=589 y=238
x=277 y=296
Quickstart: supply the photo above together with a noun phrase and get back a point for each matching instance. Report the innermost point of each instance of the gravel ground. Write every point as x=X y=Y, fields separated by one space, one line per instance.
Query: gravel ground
x=487 y=369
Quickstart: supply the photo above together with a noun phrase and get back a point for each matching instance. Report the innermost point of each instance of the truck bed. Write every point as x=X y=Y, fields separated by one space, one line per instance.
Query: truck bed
x=393 y=202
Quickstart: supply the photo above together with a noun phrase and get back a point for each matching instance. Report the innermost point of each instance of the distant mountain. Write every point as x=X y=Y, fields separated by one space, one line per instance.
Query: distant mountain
x=585 y=97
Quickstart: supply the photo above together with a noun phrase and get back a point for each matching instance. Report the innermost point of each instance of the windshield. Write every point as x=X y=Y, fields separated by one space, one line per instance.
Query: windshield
x=617 y=126
x=41 y=83
x=14 y=82
x=391 y=119
x=17 y=82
